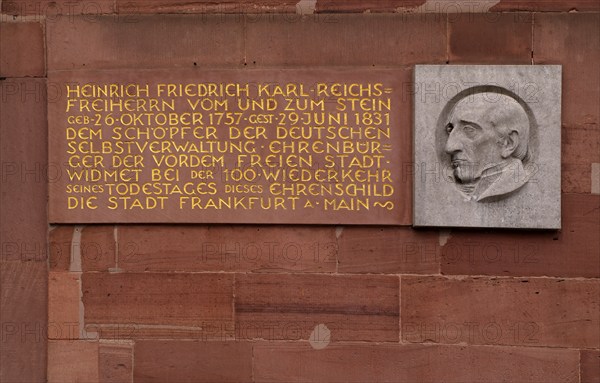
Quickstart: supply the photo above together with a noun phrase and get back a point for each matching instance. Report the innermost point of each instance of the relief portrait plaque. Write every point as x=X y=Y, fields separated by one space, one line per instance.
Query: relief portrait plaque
x=306 y=146
x=487 y=146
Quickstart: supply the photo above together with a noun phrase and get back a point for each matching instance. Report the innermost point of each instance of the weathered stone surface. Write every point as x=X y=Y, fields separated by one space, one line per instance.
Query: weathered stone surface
x=255 y=7
x=362 y=362
x=98 y=248
x=464 y=177
x=164 y=305
x=72 y=361
x=571 y=252
x=227 y=248
x=54 y=10
x=360 y=6
x=23 y=230
x=572 y=40
x=63 y=305
x=192 y=361
x=60 y=239
x=389 y=251
x=546 y=6
x=351 y=307
x=580 y=150
x=24 y=158
x=384 y=40
x=86 y=248
x=483 y=38
x=22 y=47
x=526 y=312
x=115 y=362
x=24 y=319
x=137 y=42
x=590 y=366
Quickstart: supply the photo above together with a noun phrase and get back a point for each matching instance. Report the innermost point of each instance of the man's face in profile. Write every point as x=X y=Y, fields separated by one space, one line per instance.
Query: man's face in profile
x=473 y=143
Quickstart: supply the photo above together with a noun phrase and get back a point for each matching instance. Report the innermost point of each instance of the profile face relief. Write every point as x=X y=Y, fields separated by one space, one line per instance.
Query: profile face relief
x=473 y=144
x=486 y=139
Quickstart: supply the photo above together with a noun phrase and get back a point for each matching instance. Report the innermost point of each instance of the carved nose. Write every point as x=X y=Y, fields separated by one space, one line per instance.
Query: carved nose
x=453 y=144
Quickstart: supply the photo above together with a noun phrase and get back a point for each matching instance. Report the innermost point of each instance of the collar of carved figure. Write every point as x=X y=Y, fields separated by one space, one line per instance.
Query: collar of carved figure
x=496 y=181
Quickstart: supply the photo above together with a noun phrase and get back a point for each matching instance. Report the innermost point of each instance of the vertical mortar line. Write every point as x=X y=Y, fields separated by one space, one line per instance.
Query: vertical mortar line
x=45 y=45
x=233 y=315
x=253 y=344
x=579 y=366
x=116 y=244
x=337 y=252
x=75 y=267
x=439 y=260
x=447 y=38
x=132 y=360
x=532 y=36
x=400 y=308
x=244 y=38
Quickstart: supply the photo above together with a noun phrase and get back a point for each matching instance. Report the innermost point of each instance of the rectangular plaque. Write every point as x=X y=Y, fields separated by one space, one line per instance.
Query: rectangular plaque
x=227 y=146
x=488 y=146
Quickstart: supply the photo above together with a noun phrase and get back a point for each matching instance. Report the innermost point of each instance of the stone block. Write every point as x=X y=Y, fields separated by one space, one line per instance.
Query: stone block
x=64 y=291
x=227 y=248
x=72 y=361
x=590 y=366
x=490 y=38
x=192 y=361
x=115 y=362
x=571 y=252
x=521 y=312
x=393 y=250
x=22 y=47
x=24 y=314
x=572 y=40
x=383 y=40
x=296 y=307
x=358 y=363
x=137 y=41
x=130 y=305
x=59 y=247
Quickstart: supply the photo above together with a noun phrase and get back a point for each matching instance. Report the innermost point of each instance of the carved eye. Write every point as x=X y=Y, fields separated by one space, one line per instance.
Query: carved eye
x=449 y=128
x=470 y=131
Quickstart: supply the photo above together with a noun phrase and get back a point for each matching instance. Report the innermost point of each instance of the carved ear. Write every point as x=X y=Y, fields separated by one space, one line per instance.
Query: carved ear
x=511 y=142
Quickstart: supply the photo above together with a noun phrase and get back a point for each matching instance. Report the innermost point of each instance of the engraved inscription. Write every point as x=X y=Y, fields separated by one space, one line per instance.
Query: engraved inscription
x=224 y=150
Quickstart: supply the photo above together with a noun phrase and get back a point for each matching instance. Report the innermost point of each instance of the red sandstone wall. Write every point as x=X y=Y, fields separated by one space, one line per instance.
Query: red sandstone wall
x=195 y=302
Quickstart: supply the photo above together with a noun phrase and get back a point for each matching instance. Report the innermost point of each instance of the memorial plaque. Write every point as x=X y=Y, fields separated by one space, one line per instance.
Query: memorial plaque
x=318 y=146
x=487 y=146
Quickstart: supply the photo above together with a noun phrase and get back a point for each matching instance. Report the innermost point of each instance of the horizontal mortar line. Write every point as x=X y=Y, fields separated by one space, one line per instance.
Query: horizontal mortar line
x=432 y=344
x=229 y=67
x=5 y=78
x=298 y=309
x=295 y=273
x=344 y=343
x=542 y=277
x=355 y=274
x=8 y=18
x=143 y=326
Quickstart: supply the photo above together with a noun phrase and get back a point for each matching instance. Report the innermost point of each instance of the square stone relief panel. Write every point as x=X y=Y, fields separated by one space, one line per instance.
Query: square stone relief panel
x=487 y=146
